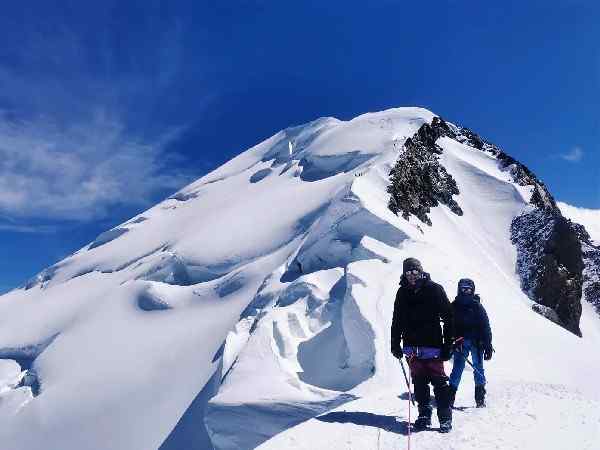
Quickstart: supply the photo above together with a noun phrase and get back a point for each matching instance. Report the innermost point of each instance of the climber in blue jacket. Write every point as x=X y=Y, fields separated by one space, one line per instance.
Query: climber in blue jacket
x=474 y=336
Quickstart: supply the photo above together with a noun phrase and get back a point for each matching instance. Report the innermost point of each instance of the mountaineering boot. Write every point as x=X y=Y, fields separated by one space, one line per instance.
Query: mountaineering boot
x=424 y=419
x=445 y=419
x=480 y=396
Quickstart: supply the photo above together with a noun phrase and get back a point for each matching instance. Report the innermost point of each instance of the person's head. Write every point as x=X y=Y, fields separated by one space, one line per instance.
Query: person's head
x=412 y=269
x=466 y=286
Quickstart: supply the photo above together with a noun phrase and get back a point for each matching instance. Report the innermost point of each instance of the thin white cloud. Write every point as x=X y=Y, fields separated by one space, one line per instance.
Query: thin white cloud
x=28 y=228
x=81 y=171
x=67 y=146
x=574 y=155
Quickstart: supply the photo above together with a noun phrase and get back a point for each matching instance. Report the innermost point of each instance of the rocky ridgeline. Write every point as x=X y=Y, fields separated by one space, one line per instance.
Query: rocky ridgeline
x=591 y=272
x=418 y=181
x=556 y=260
x=520 y=173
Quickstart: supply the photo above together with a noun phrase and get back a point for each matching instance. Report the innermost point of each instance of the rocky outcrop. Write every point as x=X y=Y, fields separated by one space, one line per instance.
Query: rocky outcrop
x=418 y=181
x=549 y=262
x=591 y=272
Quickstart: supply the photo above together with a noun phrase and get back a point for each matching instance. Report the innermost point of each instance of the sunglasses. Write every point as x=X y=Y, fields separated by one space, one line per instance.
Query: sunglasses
x=412 y=272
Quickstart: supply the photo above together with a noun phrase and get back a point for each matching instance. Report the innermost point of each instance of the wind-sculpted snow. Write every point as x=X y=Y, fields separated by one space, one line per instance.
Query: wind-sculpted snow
x=262 y=173
x=260 y=297
x=108 y=236
x=540 y=196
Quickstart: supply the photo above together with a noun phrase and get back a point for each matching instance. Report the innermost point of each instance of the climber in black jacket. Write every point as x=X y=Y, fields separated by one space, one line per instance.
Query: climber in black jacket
x=474 y=336
x=420 y=305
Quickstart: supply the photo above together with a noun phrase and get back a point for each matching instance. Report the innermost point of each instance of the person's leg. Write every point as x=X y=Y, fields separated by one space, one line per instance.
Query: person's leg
x=420 y=381
x=442 y=392
x=443 y=398
x=479 y=373
x=423 y=398
x=479 y=376
x=458 y=366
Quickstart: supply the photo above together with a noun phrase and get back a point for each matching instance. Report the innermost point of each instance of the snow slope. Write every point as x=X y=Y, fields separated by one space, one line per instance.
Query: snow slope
x=268 y=285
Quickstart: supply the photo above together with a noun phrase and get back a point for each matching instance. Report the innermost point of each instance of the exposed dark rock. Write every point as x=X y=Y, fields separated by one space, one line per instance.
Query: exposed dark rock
x=547 y=312
x=418 y=181
x=591 y=271
x=549 y=262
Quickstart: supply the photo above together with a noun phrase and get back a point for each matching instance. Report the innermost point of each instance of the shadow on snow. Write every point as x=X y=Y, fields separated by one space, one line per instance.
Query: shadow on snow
x=387 y=423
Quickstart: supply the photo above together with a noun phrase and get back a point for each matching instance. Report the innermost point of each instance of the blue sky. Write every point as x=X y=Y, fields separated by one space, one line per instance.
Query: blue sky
x=106 y=109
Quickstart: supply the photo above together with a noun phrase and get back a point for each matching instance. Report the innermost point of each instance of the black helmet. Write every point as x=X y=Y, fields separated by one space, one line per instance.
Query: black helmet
x=466 y=283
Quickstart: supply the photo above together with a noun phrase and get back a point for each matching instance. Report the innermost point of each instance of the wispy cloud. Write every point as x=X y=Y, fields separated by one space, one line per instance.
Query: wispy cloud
x=77 y=135
x=574 y=155
x=81 y=171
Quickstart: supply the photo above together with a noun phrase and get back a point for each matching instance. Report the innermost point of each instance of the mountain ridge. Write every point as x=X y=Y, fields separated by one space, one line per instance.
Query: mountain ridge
x=264 y=287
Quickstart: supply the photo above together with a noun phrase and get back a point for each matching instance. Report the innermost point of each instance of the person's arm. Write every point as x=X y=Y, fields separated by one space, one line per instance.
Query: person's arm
x=397 y=331
x=486 y=330
x=447 y=318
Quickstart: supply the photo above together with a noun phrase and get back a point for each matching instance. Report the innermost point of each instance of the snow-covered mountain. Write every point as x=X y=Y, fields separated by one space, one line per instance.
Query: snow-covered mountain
x=267 y=287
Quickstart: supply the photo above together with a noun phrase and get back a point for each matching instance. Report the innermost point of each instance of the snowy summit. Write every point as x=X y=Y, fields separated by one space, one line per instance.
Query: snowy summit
x=252 y=309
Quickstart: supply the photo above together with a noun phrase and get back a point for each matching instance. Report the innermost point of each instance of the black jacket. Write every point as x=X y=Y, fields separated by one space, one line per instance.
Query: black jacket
x=471 y=320
x=417 y=315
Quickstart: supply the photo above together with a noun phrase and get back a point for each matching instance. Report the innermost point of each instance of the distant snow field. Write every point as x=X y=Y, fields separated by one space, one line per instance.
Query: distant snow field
x=252 y=309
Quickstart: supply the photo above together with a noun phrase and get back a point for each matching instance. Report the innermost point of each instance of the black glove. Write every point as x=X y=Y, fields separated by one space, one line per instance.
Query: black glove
x=446 y=352
x=397 y=352
x=487 y=352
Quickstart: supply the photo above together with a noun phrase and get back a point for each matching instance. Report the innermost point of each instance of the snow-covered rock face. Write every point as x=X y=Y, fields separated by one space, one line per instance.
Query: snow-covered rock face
x=589 y=235
x=261 y=295
x=549 y=258
x=591 y=272
x=550 y=264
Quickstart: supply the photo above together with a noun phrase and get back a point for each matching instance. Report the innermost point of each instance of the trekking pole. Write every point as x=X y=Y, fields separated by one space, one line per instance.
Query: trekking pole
x=410 y=397
x=469 y=362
